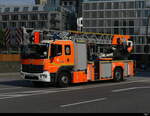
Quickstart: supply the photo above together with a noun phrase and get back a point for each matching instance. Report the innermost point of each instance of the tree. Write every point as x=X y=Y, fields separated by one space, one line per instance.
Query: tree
x=1 y=38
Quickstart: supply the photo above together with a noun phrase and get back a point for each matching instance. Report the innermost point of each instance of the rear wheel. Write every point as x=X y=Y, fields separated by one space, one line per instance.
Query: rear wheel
x=118 y=75
x=63 y=79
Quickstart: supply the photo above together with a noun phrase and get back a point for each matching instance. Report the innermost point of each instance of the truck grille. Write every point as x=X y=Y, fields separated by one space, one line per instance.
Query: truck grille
x=29 y=68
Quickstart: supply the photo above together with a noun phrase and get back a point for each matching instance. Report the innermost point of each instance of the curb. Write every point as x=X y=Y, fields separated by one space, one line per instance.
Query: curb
x=10 y=74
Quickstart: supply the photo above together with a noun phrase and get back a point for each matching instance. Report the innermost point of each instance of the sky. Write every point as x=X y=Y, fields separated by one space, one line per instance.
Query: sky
x=16 y=2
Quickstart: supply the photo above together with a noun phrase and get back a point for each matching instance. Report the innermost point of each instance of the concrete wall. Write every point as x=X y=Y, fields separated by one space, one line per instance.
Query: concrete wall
x=9 y=67
x=9 y=63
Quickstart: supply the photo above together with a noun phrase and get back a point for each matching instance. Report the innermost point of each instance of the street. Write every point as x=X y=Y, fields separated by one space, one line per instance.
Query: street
x=129 y=96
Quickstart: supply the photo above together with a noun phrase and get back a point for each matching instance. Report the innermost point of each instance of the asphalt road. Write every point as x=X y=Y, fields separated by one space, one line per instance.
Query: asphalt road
x=129 y=96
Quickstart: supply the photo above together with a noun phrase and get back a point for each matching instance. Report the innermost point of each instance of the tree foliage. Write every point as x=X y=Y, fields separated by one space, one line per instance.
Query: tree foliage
x=1 y=38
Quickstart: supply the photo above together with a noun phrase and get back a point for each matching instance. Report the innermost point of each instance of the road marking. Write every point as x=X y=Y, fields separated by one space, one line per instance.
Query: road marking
x=10 y=88
x=83 y=102
x=48 y=91
x=131 y=88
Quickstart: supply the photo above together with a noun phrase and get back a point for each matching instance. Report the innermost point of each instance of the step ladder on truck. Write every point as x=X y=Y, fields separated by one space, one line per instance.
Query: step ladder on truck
x=77 y=57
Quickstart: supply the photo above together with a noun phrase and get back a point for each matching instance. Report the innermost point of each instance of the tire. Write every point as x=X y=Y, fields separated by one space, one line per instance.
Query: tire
x=63 y=79
x=37 y=84
x=118 y=75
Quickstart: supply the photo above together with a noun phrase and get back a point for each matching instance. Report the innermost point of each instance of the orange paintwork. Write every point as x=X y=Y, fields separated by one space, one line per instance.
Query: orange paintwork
x=36 y=37
x=117 y=64
x=106 y=59
x=122 y=38
x=79 y=77
x=131 y=70
x=90 y=72
x=52 y=65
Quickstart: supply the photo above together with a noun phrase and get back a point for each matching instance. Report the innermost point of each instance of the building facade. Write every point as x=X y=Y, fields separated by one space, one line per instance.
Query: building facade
x=35 y=16
x=43 y=15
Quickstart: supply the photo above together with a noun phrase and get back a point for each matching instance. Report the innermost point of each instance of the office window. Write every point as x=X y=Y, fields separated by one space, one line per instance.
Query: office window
x=101 y=23
x=14 y=17
x=86 y=23
x=7 y=9
x=34 y=17
x=115 y=14
x=25 y=8
x=16 y=9
x=131 y=5
x=94 y=14
x=35 y=8
x=101 y=14
x=115 y=5
x=108 y=5
x=86 y=14
x=5 y=17
x=24 y=17
x=86 y=6
x=44 y=16
x=108 y=23
x=131 y=23
x=94 y=24
x=108 y=14
x=101 y=6
x=94 y=6
x=4 y=25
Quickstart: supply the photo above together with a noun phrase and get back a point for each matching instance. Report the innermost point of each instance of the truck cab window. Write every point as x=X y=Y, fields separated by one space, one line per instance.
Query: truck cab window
x=56 y=50
x=67 y=50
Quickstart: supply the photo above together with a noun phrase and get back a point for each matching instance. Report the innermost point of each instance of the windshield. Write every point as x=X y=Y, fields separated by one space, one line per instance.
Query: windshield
x=34 y=51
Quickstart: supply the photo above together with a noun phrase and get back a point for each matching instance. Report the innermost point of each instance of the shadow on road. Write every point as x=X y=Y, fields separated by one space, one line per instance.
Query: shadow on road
x=17 y=83
x=28 y=84
x=143 y=74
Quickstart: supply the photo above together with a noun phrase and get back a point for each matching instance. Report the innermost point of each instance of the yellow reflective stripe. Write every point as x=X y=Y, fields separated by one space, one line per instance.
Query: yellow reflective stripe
x=118 y=61
x=89 y=33
x=61 y=64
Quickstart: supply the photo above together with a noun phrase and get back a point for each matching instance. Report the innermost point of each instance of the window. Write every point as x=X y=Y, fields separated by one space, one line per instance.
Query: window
x=14 y=17
x=35 y=8
x=5 y=17
x=25 y=8
x=101 y=6
x=34 y=17
x=44 y=16
x=70 y=3
x=67 y=50
x=86 y=6
x=56 y=50
x=94 y=6
x=16 y=9
x=65 y=3
x=7 y=9
x=24 y=17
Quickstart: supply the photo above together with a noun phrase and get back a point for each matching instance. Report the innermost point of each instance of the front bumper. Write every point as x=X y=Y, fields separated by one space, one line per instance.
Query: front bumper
x=43 y=77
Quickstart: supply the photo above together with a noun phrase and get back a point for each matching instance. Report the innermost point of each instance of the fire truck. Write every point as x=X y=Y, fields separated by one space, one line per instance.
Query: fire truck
x=77 y=57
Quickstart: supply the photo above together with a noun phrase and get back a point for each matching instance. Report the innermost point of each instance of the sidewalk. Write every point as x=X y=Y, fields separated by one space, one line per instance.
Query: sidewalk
x=10 y=74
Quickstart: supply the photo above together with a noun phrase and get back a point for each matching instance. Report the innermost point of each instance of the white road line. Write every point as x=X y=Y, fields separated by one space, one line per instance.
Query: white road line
x=10 y=88
x=131 y=88
x=83 y=102
x=48 y=91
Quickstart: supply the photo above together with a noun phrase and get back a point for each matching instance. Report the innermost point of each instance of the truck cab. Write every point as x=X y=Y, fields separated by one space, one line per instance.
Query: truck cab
x=44 y=61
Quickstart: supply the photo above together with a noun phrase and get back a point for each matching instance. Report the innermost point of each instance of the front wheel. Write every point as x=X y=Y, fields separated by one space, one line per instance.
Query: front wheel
x=63 y=79
x=118 y=75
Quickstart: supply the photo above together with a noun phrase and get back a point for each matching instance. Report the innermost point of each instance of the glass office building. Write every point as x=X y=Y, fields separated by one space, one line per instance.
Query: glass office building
x=128 y=17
